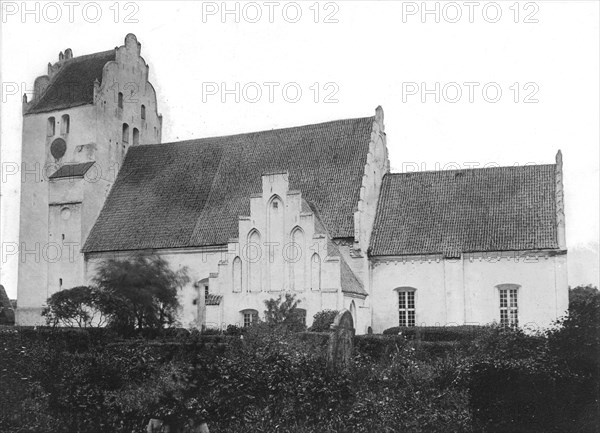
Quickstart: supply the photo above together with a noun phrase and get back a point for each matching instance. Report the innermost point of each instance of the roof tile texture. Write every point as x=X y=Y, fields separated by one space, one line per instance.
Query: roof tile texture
x=191 y=193
x=455 y=211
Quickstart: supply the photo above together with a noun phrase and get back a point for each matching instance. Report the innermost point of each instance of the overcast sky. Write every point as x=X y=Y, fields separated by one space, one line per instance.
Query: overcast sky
x=514 y=82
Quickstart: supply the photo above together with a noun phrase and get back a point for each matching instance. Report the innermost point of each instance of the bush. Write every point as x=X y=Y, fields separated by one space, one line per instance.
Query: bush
x=323 y=320
x=234 y=330
x=438 y=333
x=377 y=347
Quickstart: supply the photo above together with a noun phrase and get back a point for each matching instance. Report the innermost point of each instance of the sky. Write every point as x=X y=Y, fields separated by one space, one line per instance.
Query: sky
x=462 y=84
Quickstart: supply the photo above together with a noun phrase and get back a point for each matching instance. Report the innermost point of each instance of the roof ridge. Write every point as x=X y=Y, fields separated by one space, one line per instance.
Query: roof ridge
x=471 y=169
x=273 y=130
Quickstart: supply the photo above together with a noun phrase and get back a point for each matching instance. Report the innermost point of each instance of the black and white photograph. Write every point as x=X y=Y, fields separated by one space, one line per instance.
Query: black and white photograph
x=300 y=216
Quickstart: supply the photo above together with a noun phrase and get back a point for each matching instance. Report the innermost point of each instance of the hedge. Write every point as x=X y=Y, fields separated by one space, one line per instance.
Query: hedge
x=438 y=333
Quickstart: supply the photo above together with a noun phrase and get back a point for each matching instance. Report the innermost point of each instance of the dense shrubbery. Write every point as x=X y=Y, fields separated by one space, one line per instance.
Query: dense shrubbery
x=278 y=381
x=322 y=321
x=437 y=333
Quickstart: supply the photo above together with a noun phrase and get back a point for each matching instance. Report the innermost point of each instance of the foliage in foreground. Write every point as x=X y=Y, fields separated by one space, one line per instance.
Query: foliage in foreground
x=273 y=380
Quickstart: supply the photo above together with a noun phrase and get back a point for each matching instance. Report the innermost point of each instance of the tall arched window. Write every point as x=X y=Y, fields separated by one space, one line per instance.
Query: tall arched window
x=276 y=236
x=237 y=275
x=50 y=128
x=125 y=138
x=65 y=125
x=406 y=306
x=295 y=257
x=253 y=257
x=315 y=272
x=136 y=136
x=120 y=100
x=143 y=112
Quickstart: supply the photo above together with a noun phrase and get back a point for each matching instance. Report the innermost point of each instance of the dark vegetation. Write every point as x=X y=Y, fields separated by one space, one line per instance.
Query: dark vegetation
x=128 y=296
x=275 y=379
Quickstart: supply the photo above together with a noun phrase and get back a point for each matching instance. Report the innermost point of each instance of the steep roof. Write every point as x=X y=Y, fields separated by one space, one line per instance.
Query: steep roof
x=449 y=212
x=191 y=193
x=73 y=84
x=72 y=170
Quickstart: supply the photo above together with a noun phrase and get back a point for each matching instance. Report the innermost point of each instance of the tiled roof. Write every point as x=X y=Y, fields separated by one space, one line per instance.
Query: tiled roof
x=449 y=212
x=72 y=170
x=191 y=193
x=73 y=84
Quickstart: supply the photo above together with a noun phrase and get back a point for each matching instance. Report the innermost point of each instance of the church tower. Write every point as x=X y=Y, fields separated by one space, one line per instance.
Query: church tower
x=84 y=116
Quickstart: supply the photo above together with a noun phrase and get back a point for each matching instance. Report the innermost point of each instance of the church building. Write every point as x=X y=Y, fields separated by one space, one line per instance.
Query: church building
x=311 y=210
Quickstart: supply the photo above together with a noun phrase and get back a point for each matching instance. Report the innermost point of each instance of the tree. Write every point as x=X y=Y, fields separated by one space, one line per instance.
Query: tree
x=140 y=292
x=81 y=306
x=284 y=311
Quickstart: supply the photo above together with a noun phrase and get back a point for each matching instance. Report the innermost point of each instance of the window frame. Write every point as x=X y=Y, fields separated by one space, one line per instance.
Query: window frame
x=506 y=317
x=51 y=126
x=250 y=314
x=410 y=295
x=125 y=133
x=65 y=124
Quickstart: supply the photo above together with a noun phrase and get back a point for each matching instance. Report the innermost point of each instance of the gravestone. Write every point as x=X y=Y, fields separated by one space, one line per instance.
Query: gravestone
x=340 y=347
x=7 y=313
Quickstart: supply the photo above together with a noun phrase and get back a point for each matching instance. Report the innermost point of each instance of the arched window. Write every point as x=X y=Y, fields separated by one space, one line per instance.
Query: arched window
x=249 y=317
x=143 y=112
x=136 y=136
x=509 y=307
x=295 y=258
x=237 y=275
x=65 y=125
x=253 y=256
x=125 y=138
x=50 y=128
x=120 y=100
x=315 y=272
x=276 y=236
x=406 y=306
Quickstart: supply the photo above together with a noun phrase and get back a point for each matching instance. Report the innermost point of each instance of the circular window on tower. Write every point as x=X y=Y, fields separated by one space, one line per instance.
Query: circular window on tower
x=58 y=148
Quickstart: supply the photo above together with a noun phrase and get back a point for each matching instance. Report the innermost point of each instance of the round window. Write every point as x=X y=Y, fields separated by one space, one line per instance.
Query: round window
x=58 y=148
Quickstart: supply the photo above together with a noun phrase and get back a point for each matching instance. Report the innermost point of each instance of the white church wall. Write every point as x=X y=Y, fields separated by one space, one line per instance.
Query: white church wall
x=542 y=295
x=37 y=193
x=464 y=291
x=426 y=277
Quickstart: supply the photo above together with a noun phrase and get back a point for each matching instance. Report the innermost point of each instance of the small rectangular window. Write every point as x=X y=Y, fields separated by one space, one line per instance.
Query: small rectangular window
x=406 y=308
x=250 y=317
